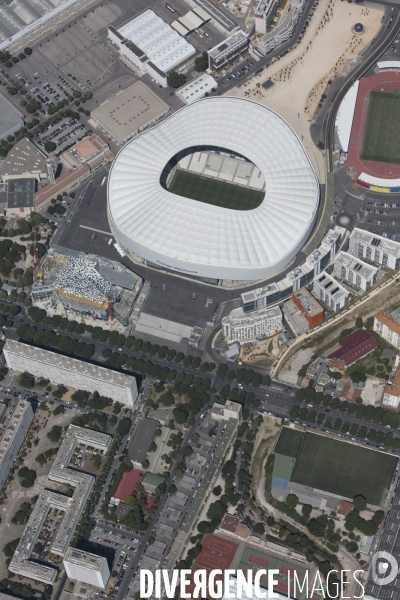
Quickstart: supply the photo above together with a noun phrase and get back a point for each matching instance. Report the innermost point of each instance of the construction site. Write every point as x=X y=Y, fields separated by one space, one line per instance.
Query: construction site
x=76 y=284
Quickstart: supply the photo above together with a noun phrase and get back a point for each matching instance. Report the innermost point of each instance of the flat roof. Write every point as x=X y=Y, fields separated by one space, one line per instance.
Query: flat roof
x=355 y=264
x=24 y=157
x=10 y=116
x=377 y=241
x=308 y=302
x=21 y=192
x=84 y=559
x=129 y=111
x=142 y=440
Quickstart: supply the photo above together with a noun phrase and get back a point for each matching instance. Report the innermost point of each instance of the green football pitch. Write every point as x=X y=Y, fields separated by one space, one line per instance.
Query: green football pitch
x=289 y=442
x=381 y=140
x=214 y=191
x=344 y=469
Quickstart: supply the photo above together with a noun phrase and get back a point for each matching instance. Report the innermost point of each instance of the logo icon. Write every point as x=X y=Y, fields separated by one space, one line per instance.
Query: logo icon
x=384 y=568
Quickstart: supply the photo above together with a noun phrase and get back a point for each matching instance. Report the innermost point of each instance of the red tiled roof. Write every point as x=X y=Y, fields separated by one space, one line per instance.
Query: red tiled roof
x=354 y=346
x=345 y=508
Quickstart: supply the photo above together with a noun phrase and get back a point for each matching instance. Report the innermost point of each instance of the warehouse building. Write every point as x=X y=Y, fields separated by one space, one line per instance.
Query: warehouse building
x=86 y=567
x=233 y=48
x=14 y=429
x=327 y=289
x=242 y=327
x=11 y=119
x=197 y=88
x=374 y=248
x=151 y=45
x=92 y=286
x=355 y=271
x=71 y=371
x=72 y=507
x=130 y=112
x=192 y=20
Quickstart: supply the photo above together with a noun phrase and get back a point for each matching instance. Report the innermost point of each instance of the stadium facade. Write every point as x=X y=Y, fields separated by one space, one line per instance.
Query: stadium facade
x=198 y=239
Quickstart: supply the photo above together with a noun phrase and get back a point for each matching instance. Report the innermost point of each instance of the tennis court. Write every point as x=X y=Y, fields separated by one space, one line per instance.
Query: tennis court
x=343 y=468
x=214 y=191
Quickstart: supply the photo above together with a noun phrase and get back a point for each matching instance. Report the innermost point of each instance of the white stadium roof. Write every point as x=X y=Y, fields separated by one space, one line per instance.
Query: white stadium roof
x=197 y=238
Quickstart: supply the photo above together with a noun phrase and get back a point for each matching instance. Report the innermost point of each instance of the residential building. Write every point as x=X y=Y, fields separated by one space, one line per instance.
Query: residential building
x=150 y=44
x=374 y=248
x=355 y=271
x=284 y=30
x=243 y=327
x=263 y=14
x=354 y=347
x=391 y=395
x=388 y=327
x=224 y=412
x=72 y=507
x=86 y=567
x=229 y=51
x=70 y=371
x=197 y=88
x=308 y=305
x=14 y=429
x=327 y=289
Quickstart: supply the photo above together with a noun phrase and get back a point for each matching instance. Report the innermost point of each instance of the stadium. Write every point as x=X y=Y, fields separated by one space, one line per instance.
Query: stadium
x=243 y=221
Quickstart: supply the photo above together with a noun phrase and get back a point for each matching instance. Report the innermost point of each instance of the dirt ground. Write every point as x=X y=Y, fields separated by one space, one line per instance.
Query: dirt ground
x=16 y=495
x=327 y=48
x=265 y=441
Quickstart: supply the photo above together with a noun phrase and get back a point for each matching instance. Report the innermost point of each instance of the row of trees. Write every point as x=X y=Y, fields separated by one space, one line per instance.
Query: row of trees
x=245 y=376
x=49 y=339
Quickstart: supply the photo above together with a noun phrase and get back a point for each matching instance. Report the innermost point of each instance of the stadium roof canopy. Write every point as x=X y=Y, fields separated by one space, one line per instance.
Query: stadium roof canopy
x=200 y=239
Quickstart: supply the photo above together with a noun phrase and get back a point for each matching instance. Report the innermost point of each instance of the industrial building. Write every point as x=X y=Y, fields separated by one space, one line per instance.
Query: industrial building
x=72 y=507
x=300 y=276
x=195 y=238
x=374 y=248
x=151 y=45
x=354 y=271
x=197 y=88
x=86 y=567
x=70 y=371
x=284 y=30
x=130 y=112
x=192 y=20
x=92 y=286
x=388 y=327
x=242 y=327
x=327 y=289
x=26 y=160
x=232 y=49
x=11 y=118
x=13 y=431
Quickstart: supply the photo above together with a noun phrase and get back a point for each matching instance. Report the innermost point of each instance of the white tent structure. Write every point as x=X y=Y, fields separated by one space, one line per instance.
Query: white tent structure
x=204 y=240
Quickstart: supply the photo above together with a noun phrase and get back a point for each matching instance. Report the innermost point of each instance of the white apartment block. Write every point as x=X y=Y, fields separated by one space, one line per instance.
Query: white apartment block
x=15 y=427
x=391 y=396
x=284 y=30
x=72 y=507
x=374 y=248
x=327 y=289
x=355 y=271
x=86 y=567
x=224 y=412
x=70 y=371
x=244 y=327
x=388 y=328
x=263 y=15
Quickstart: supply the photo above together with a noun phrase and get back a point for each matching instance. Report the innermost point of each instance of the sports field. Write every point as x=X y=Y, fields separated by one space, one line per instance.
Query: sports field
x=288 y=442
x=214 y=191
x=344 y=469
x=381 y=140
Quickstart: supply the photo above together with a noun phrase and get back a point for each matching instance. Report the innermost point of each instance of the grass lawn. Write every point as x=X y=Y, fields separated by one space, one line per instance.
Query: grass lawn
x=214 y=191
x=382 y=129
x=288 y=442
x=343 y=469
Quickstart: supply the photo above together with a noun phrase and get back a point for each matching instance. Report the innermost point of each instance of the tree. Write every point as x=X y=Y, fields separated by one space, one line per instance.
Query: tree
x=27 y=380
x=49 y=146
x=187 y=451
x=175 y=79
x=359 y=503
x=359 y=323
x=124 y=426
x=28 y=51
x=201 y=62
x=55 y=433
x=306 y=510
x=217 y=490
x=292 y=500
x=27 y=477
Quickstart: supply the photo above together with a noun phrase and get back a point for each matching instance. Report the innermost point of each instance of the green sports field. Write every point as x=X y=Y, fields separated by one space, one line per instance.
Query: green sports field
x=214 y=191
x=288 y=442
x=382 y=129
x=344 y=469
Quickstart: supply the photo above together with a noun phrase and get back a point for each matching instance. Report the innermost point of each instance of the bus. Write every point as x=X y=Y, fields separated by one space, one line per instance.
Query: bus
x=170 y=8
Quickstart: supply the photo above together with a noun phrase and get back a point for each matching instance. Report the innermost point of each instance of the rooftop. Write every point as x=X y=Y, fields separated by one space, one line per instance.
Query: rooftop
x=84 y=559
x=230 y=42
x=389 y=321
x=10 y=116
x=378 y=241
x=197 y=88
x=11 y=426
x=308 y=302
x=352 y=262
x=355 y=346
x=128 y=483
x=21 y=192
x=142 y=440
x=331 y=286
x=239 y=317
x=129 y=111
x=24 y=157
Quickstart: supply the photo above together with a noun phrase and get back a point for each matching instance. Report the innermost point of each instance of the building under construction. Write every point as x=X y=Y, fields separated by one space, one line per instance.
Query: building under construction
x=87 y=285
